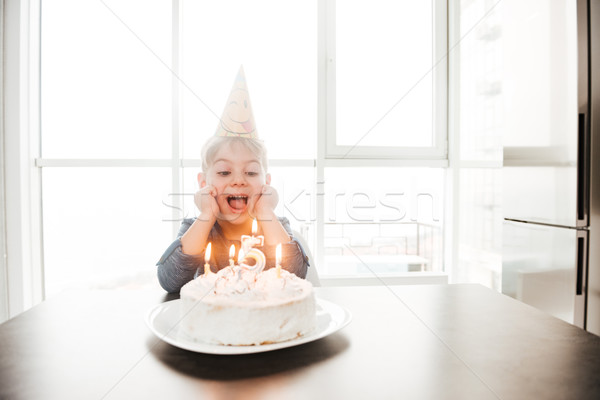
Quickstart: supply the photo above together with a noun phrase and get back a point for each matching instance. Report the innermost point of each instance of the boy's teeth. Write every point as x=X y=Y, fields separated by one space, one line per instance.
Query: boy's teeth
x=237 y=202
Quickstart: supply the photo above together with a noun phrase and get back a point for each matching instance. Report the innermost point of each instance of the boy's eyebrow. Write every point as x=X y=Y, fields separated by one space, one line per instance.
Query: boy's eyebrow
x=230 y=161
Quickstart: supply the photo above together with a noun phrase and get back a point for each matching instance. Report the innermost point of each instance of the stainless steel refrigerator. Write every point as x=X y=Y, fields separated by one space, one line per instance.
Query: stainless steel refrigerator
x=551 y=172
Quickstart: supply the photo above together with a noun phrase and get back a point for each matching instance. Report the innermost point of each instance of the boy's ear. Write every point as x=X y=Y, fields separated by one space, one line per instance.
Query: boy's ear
x=268 y=179
x=201 y=180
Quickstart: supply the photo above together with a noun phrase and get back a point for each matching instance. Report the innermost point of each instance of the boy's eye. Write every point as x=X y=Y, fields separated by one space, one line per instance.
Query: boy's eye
x=251 y=173
x=223 y=173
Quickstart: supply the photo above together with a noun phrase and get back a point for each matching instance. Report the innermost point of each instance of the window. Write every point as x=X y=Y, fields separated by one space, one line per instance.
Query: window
x=281 y=69
x=387 y=80
x=104 y=94
x=129 y=99
x=97 y=229
x=374 y=224
x=479 y=122
x=386 y=105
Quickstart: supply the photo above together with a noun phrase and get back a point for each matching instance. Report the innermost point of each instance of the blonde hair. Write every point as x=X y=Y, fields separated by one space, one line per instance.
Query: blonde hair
x=212 y=146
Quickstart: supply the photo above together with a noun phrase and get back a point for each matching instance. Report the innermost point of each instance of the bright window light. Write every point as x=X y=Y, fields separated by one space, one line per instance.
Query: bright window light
x=384 y=73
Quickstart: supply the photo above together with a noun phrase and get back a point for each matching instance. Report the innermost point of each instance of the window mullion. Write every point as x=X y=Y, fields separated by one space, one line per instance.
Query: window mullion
x=440 y=77
x=328 y=34
x=326 y=115
x=176 y=113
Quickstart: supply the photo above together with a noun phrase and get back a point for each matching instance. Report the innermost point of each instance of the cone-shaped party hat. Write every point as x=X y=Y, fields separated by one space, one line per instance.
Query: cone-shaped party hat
x=237 y=119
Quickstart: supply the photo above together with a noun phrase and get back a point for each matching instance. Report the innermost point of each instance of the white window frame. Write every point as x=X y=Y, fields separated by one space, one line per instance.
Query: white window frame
x=411 y=155
x=22 y=257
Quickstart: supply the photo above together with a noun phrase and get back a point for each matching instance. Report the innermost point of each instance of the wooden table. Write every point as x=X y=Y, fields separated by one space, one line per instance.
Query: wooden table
x=405 y=342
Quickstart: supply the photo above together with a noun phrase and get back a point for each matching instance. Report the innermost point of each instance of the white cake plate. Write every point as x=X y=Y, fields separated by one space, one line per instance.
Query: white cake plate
x=163 y=320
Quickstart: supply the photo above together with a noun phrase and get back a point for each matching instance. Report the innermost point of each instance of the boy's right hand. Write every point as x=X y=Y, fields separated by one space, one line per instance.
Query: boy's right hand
x=206 y=201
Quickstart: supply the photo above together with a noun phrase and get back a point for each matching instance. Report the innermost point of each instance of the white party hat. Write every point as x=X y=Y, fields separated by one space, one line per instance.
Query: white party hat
x=237 y=119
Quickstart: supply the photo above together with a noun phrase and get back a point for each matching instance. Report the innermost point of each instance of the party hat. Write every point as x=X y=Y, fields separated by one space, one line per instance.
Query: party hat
x=237 y=119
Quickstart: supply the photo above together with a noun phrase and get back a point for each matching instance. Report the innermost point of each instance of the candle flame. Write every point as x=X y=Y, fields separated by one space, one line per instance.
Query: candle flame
x=232 y=251
x=254 y=227
x=278 y=254
x=207 y=253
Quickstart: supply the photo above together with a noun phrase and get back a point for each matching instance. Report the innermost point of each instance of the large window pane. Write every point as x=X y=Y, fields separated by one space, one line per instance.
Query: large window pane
x=480 y=227
x=295 y=186
x=102 y=226
x=383 y=220
x=276 y=43
x=479 y=95
x=384 y=73
x=105 y=91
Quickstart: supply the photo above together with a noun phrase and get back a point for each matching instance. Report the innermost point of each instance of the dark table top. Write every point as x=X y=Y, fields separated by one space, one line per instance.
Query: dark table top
x=413 y=342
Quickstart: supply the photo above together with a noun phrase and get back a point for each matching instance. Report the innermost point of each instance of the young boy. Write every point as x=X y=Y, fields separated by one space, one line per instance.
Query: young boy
x=234 y=190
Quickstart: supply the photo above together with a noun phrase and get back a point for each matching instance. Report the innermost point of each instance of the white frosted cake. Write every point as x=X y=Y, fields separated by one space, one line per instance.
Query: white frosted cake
x=240 y=307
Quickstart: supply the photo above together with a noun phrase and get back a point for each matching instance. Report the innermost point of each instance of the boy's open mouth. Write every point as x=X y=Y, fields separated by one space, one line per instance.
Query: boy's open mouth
x=237 y=203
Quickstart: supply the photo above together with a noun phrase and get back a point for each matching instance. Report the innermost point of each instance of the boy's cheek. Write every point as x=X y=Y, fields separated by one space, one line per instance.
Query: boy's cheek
x=219 y=195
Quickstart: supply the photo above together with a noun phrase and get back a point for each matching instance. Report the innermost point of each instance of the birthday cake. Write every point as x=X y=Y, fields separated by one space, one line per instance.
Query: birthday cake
x=238 y=306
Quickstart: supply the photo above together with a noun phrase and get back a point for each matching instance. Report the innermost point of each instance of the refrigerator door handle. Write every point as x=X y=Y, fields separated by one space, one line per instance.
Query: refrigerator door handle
x=581 y=278
x=581 y=258
x=583 y=168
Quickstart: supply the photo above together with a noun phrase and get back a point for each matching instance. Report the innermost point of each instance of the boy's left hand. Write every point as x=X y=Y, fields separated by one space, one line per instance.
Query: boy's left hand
x=265 y=203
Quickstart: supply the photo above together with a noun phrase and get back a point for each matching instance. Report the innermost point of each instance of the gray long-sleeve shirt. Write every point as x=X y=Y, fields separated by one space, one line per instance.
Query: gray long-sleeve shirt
x=175 y=268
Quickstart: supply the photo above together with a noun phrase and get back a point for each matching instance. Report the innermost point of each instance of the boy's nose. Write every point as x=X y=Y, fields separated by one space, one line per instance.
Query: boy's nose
x=238 y=179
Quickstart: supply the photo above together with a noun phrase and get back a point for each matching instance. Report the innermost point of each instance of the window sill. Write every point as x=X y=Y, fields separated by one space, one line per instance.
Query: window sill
x=410 y=278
